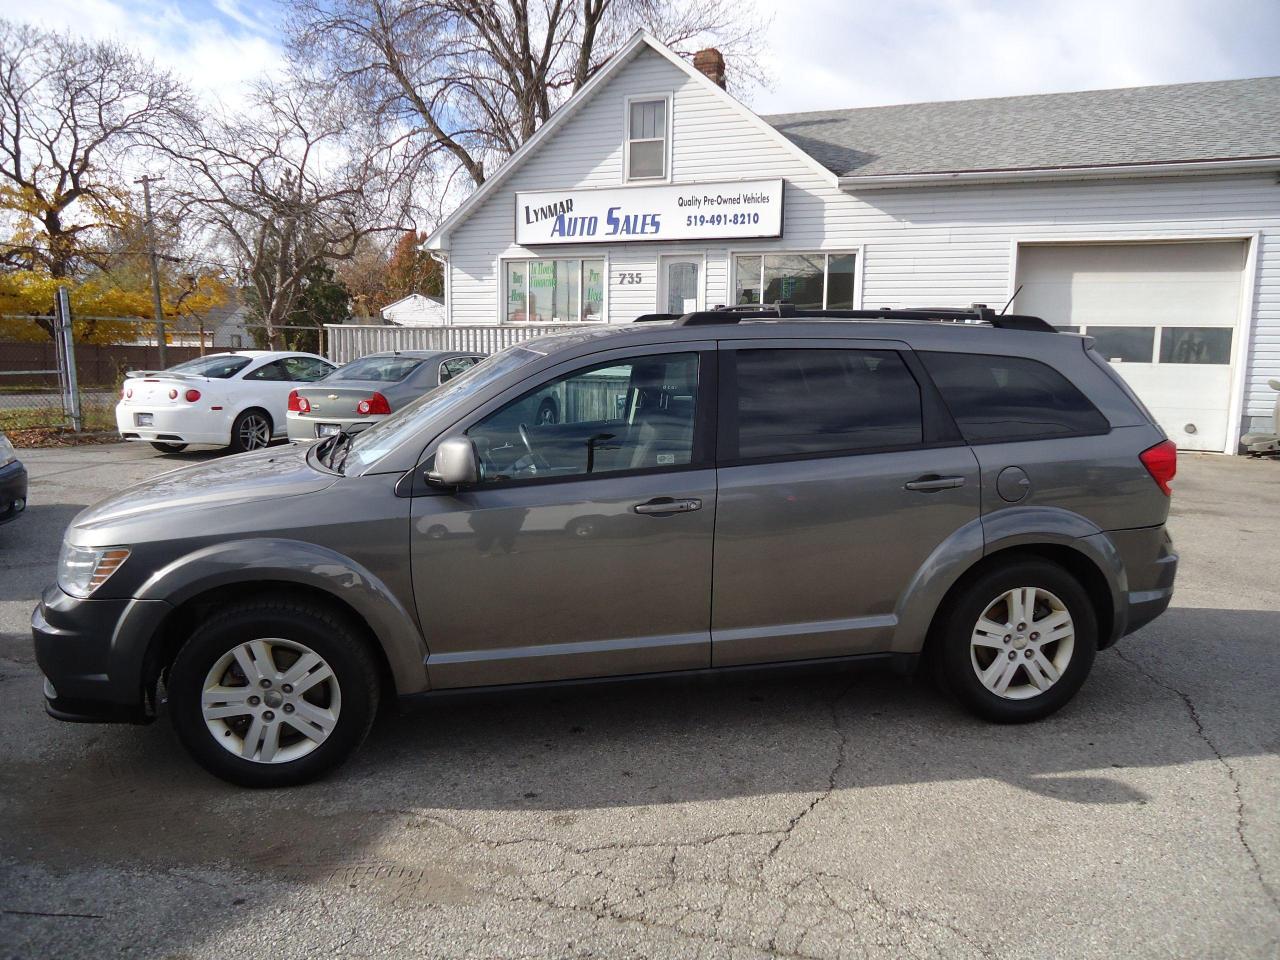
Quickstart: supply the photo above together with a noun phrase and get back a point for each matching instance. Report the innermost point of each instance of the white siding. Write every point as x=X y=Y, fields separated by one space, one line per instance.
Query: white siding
x=923 y=246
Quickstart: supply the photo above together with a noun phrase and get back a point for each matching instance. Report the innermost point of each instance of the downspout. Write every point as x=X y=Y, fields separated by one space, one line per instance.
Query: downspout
x=443 y=259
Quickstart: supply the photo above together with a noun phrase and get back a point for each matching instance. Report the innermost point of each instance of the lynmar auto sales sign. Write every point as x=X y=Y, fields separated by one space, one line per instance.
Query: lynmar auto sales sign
x=686 y=211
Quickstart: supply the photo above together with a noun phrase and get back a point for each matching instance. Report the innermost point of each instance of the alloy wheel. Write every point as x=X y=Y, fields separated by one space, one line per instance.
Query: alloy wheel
x=1022 y=643
x=271 y=700
x=255 y=432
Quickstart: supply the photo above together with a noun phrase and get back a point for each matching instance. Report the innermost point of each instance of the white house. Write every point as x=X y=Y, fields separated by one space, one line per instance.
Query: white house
x=1148 y=218
x=415 y=310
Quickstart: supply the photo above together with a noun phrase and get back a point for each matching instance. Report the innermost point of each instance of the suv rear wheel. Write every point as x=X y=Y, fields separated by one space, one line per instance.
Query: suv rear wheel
x=1019 y=642
x=272 y=694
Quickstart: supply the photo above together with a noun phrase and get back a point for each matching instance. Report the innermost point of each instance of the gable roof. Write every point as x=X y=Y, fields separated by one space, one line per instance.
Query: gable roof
x=1232 y=120
x=640 y=40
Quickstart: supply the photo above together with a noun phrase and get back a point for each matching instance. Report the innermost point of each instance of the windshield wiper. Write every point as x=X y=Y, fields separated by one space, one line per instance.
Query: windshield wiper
x=338 y=452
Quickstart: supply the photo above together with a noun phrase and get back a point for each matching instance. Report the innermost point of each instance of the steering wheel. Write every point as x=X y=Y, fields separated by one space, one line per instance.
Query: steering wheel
x=539 y=461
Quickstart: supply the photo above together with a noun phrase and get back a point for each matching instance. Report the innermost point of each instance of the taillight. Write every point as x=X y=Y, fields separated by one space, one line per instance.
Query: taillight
x=128 y=393
x=375 y=404
x=192 y=396
x=1161 y=462
x=173 y=393
x=298 y=404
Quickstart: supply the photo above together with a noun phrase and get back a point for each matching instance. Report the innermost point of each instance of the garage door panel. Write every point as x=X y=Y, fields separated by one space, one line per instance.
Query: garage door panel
x=1151 y=285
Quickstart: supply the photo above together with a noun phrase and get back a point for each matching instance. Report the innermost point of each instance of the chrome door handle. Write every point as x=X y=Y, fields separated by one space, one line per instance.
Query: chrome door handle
x=663 y=505
x=929 y=484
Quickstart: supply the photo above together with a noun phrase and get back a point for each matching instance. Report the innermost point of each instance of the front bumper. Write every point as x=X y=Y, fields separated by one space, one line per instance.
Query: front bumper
x=13 y=490
x=93 y=654
x=306 y=427
x=189 y=424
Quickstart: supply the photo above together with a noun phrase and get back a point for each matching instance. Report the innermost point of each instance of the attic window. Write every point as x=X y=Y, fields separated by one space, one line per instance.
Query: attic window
x=646 y=148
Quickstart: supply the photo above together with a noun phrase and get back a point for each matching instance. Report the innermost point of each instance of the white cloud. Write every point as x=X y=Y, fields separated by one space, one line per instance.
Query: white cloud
x=826 y=54
x=216 y=59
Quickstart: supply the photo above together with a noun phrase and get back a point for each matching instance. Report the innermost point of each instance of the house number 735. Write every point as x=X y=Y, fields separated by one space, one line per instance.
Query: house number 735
x=629 y=278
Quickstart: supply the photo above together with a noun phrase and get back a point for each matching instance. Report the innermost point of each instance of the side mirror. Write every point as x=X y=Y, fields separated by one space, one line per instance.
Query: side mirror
x=456 y=463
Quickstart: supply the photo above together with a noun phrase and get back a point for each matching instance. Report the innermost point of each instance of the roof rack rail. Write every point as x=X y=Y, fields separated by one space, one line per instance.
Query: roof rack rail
x=782 y=310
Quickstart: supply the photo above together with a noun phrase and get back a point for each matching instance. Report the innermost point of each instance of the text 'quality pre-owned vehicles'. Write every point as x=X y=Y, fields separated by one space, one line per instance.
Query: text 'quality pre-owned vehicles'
x=237 y=400
x=731 y=488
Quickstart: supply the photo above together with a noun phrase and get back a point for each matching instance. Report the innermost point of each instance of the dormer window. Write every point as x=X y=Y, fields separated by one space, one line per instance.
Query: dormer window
x=646 y=148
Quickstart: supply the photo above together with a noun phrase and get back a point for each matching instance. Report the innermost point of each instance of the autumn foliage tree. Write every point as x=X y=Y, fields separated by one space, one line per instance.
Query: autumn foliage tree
x=70 y=111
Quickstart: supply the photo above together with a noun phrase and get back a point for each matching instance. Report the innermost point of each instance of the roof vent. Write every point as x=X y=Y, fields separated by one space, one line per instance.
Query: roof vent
x=710 y=62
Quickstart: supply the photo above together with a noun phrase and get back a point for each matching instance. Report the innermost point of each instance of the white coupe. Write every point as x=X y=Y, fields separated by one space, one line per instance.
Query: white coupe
x=235 y=400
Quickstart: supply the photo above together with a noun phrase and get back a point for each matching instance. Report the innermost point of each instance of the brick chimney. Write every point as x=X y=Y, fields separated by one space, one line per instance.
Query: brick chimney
x=711 y=62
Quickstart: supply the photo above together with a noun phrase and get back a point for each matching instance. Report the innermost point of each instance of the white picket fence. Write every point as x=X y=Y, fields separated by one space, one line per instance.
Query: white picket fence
x=347 y=342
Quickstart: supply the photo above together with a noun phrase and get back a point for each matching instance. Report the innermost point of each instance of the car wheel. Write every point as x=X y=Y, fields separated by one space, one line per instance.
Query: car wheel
x=272 y=694
x=168 y=447
x=250 y=431
x=548 y=413
x=1019 y=642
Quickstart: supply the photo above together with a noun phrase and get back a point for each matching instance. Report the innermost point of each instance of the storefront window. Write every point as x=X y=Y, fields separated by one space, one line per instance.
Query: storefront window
x=592 y=289
x=517 y=292
x=810 y=281
x=554 y=291
x=747 y=283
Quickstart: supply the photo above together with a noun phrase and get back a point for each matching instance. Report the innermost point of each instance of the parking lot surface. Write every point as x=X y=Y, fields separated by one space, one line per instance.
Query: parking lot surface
x=851 y=814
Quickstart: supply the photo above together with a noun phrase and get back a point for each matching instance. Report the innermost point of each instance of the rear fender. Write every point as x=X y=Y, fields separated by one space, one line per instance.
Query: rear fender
x=986 y=536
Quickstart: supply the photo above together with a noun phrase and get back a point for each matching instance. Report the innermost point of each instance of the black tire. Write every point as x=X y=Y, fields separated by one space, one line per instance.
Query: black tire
x=240 y=432
x=954 y=664
x=548 y=414
x=329 y=636
x=165 y=447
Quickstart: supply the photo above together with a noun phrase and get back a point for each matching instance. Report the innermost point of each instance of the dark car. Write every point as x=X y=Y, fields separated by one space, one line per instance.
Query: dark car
x=366 y=390
x=13 y=482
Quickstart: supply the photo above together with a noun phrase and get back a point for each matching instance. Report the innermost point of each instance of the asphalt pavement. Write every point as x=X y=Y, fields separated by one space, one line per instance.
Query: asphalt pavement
x=851 y=814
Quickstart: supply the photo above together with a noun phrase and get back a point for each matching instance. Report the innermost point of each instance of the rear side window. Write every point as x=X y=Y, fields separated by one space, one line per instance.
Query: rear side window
x=383 y=369
x=1010 y=398
x=813 y=402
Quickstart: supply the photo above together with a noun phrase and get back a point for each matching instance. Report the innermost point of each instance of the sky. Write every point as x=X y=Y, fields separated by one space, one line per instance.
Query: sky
x=822 y=54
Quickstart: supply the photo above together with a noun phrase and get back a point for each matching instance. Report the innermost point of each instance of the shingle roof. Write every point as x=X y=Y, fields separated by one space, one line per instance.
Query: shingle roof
x=1231 y=119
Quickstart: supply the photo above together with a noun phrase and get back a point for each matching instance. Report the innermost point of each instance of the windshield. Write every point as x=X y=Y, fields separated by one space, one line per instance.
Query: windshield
x=385 y=369
x=218 y=367
x=371 y=445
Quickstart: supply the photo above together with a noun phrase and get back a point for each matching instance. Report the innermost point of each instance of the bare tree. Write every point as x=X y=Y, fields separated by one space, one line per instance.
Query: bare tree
x=286 y=188
x=466 y=82
x=69 y=110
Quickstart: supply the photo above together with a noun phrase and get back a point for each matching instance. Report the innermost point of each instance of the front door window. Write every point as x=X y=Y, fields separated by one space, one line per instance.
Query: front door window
x=621 y=415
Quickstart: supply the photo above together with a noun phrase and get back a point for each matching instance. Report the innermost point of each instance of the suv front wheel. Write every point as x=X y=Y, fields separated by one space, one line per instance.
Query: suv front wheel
x=1019 y=642
x=272 y=694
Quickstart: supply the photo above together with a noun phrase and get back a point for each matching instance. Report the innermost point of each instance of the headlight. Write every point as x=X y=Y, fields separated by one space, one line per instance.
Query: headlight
x=7 y=456
x=82 y=570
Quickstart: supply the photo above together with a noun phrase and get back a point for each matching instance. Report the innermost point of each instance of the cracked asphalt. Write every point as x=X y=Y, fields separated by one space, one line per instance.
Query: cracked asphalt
x=847 y=814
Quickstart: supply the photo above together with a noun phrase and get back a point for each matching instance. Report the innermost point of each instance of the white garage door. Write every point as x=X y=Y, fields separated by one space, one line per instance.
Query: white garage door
x=1166 y=314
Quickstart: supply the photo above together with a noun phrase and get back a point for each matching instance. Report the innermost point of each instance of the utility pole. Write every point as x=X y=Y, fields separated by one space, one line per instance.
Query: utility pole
x=156 y=304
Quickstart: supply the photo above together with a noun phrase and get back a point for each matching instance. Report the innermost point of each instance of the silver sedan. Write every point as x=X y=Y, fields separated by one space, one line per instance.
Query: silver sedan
x=368 y=389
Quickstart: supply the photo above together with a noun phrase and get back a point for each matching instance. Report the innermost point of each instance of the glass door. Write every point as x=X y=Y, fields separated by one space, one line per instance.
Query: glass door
x=681 y=289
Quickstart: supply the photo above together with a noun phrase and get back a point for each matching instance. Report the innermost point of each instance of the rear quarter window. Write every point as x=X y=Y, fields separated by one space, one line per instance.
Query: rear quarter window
x=1011 y=398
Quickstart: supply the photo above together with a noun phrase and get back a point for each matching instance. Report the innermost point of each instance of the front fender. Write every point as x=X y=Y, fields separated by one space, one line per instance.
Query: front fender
x=293 y=561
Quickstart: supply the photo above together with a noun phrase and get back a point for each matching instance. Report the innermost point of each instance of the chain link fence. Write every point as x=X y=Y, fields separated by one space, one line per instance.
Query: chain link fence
x=56 y=376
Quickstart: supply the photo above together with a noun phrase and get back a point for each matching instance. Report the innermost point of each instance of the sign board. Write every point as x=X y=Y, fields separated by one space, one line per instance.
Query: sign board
x=733 y=210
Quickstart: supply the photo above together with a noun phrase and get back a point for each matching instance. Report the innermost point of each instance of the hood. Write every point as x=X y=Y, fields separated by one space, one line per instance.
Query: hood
x=262 y=475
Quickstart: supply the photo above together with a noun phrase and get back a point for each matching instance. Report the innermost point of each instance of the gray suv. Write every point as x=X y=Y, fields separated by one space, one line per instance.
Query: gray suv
x=732 y=488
